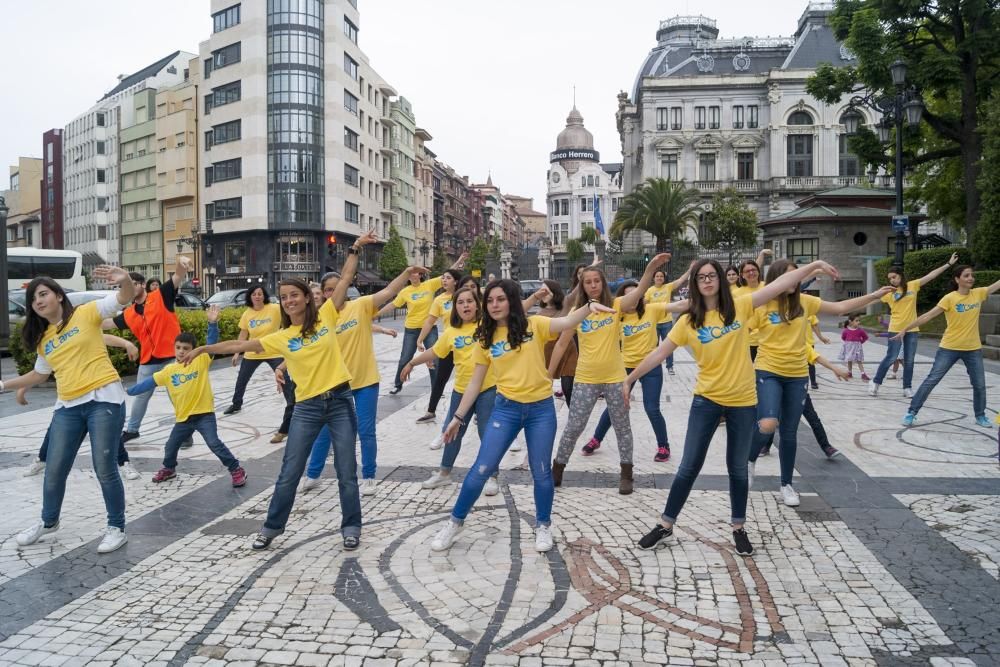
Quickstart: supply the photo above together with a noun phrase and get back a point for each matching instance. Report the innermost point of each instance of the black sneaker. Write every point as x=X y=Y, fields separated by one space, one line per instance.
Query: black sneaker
x=743 y=546
x=232 y=409
x=395 y=390
x=831 y=452
x=351 y=542
x=656 y=538
x=260 y=542
x=814 y=385
x=129 y=435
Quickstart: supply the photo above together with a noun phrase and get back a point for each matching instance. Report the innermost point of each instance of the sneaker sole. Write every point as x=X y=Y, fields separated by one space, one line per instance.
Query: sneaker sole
x=834 y=455
x=662 y=543
x=744 y=553
x=160 y=481
x=108 y=551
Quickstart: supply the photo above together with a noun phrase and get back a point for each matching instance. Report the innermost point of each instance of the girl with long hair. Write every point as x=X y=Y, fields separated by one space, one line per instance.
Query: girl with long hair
x=458 y=339
x=601 y=370
x=902 y=302
x=566 y=354
x=260 y=319
x=440 y=310
x=308 y=342
x=750 y=282
x=716 y=330
x=962 y=308
x=513 y=346
x=782 y=366
x=69 y=342
x=662 y=291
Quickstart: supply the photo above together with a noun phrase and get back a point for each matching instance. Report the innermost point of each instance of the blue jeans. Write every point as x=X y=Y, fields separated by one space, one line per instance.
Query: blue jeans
x=483 y=408
x=205 y=425
x=781 y=398
x=909 y=344
x=538 y=420
x=943 y=361
x=334 y=409
x=141 y=402
x=652 y=385
x=661 y=332
x=104 y=423
x=703 y=419
x=366 y=404
x=410 y=337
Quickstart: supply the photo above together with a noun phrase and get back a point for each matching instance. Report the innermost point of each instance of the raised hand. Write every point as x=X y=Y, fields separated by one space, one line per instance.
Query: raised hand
x=416 y=271
x=111 y=274
x=660 y=259
x=367 y=238
x=212 y=313
x=953 y=260
x=185 y=262
x=543 y=292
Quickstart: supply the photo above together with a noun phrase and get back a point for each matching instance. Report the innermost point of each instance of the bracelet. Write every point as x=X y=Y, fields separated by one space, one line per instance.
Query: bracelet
x=353 y=251
x=460 y=418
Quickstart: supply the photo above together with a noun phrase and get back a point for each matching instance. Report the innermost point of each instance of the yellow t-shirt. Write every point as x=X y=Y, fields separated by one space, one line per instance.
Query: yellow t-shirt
x=460 y=342
x=902 y=306
x=521 y=374
x=962 y=315
x=188 y=387
x=783 y=349
x=662 y=294
x=315 y=363
x=743 y=291
x=354 y=335
x=77 y=354
x=810 y=336
x=725 y=372
x=418 y=300
x=441 y=308
x=639 y=333
x=259 y=323
x=599 y=338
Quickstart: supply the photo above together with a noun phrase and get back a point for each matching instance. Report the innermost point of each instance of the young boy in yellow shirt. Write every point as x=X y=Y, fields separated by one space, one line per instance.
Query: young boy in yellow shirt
x=191 y=394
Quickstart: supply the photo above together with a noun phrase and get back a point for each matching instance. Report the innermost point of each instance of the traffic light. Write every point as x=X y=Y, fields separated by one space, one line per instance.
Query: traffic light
x=645 y=258
x=331 y=242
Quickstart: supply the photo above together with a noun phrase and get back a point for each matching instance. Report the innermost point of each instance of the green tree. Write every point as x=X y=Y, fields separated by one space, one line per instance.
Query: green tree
x=574 y=251
x=477 y=256
x=441 y=263
x=589 y=236
x=730 y=225
x=495 y=248
x=393 y=258
x=661 y=207
x=952 y=50
x=985 y=243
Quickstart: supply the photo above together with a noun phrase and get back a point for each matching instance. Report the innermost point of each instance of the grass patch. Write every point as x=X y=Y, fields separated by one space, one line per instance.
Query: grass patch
x=874 y=323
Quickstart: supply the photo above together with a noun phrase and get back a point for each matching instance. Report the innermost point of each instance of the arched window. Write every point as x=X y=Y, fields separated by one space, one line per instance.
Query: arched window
x=850 y=165
x=800 y=118
x=590 y=181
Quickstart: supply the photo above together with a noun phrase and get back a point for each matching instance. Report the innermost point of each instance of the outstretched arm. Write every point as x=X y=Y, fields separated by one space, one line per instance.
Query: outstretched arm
x=425 y=357
x=837 y=370
x=572 y=321
x=116 y=274
x=630 y=300
x=460 y=262
x=922 y=320
x=130 y=349
x=677 y=284
x=350 y=267
x=789 y=281
x=26 y=381
x=851 y=305
x=149 y=384
x=952 y=261
x=761 y=257
x=225 y=347
x=389 y=292
x=990 y=289
x=180 y=271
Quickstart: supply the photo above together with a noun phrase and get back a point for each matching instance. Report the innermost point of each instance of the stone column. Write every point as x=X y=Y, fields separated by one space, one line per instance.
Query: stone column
x=505 y=259
x=544 y=257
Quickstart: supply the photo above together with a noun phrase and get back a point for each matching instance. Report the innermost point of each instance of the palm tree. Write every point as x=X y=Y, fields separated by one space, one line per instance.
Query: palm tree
x=589 y=236
x=662 y=207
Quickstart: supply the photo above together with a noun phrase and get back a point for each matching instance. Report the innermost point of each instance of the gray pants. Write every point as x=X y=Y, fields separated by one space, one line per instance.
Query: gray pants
x=584 y=398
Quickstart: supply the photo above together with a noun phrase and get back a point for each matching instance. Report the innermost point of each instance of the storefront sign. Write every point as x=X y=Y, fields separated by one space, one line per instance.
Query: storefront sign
x=295 y=267
x=575 y=154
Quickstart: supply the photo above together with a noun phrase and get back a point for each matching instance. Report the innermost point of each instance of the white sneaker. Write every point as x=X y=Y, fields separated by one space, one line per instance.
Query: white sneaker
x=368 y=487
x=131 y=474
x=751 y=469
x=35 y=468
x=907 y=393
x=34 y=533
x=789 y=495
x=872 y=388
x=446 y=536
x=492 y=487
x=892 y=376
x=543 y=538
x=435 y=480
x=308 y=484
x=438 y=442
x=114 y=538
x=516 y=446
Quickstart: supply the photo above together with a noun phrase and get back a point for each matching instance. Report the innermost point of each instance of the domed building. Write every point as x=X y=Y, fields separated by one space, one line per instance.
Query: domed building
x=579 y=185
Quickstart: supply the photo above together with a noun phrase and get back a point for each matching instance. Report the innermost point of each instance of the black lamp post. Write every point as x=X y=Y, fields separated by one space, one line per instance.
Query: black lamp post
x=904 y=105
x=424 y=250
x=4 y=318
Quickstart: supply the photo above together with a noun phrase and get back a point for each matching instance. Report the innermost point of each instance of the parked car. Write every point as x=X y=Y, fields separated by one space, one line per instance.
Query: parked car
x=17 y=310
x=230 y=298
x=188 y=301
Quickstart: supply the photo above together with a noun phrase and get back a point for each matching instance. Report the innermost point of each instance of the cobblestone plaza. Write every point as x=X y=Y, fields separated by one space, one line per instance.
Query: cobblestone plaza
x=893 y=557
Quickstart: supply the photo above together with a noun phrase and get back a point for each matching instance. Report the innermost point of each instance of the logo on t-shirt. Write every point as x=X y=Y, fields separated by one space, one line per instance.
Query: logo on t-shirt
x=177 y=379
x=899 y=295
x=447 y=305
x=587 y=326
x=502 y=347
x=709 y=334
x=417 y=296
x=297 y=343
x=53 y=343
x=965 y=307
x=344 y=326
x=462 y=342
x=633 y=329
x=773 y=317
x=259 y=323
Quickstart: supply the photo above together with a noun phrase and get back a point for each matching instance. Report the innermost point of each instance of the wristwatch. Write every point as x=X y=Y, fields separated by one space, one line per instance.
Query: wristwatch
x=353 y=250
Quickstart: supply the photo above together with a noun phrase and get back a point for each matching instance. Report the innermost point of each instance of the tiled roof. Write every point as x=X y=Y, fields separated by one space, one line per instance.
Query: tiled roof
x=141 y=75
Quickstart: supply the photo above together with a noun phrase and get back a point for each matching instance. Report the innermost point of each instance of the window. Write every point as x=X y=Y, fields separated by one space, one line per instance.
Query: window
x=227 y=55
x=800 y=118
x=223 y=209
x=590 y=181
x=744 y=166
x=661 y=118
x=223 y=133
x=227 y=170
x=100 y=119
x=614 y=203
x=100 y=148
x=803 y=251
x=706 y=167
x=351 y=139
x=227 y=18
x=676 y=118
x=350 y=30
x=102 y=203
x=586 y=204
x=222 y=95
x=752 y=116
x=351 y=103
x=351 y=175
x=699 y=118
x=800 y=155
x=351 y=212
x=714 y=116
x=849 y=163
x=668 y=166
x=564 y=205
x=351 y=67
x=101 y=176
x=737 y=117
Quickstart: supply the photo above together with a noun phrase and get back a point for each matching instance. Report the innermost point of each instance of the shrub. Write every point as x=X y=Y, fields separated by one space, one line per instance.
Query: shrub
x=192 y=321
x=919 y=263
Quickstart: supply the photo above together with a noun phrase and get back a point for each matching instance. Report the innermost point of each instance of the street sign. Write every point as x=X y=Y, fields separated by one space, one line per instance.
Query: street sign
x=900 y=223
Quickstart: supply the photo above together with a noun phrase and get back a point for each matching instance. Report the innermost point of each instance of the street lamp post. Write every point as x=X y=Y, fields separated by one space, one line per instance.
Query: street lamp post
x=424 y=250
x=4 y=319
x=906 y=106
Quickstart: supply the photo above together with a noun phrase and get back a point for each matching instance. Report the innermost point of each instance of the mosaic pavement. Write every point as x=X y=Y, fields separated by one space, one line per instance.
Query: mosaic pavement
x=892 y=558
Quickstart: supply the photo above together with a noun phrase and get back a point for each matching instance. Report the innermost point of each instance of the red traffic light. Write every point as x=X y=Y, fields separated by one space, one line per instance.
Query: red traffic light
x=331 y=239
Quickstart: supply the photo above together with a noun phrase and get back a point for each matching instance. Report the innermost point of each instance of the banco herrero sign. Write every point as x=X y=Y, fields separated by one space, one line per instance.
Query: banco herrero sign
x=575 y=154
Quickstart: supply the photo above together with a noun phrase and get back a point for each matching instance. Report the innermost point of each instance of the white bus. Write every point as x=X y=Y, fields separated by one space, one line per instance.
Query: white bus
x=63 y=266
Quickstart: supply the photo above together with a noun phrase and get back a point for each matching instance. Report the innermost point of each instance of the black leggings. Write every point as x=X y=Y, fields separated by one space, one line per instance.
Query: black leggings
x=566 y=381
x=444 y=368
x=812 y=374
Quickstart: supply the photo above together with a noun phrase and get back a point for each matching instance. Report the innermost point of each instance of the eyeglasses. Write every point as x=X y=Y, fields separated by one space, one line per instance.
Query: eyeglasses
x=707 y=277
x=750 y=272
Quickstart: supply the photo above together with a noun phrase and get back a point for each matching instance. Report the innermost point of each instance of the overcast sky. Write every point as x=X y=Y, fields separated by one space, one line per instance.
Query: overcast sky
x=492 y=82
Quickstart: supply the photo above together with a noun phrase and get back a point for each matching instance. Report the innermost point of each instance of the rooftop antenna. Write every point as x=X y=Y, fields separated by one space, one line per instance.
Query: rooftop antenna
x=574 y=96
